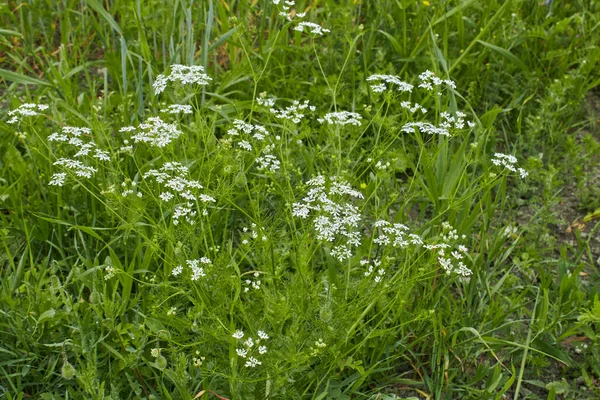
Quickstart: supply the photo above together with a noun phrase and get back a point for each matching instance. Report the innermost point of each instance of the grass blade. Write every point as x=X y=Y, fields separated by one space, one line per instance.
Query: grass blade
x=16 y=77
x=96 y=6
x=506 y=54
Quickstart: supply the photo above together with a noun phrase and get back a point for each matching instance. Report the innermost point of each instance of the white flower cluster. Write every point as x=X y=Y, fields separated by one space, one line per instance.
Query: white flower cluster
x=429 y=80
x=457 y=121
x=382 y=166
x=413 y=108
x=390 y=79
x=109 y=272
x=265 y=101
x=251 y=347
x=267 y=161
x=252 y=284
x=73 y=131
x=258 y=132
x=80 y=169
x=72 y=136
x=395 y=234
x=425 y=127
x=184 y=74
x=178 y=108
x=253 y=233
x=313 y=28
x=509 y=161
x=58 y=179
x=130 y=189
x=371 y=270
x=450 y=252
x=172 y=175
x=318 y=348
x=154 y=131
x=293 y=112
x=25 y=110
x=334 y=221
x=198 y=360
x=194 y=265
x=285 y=13
x=128 y=148
x=341 y=118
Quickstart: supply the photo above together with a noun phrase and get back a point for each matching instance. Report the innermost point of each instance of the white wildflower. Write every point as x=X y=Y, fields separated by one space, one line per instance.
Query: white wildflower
x=166 y=196
x=198 y=360
x=449 y=240
x=401 y=86
x=509 y=162
x=76 y=131
x=177 y=270
x=342 y=118
x=110 y=272
x=412 y=108
x=262 y=335
x=252 y=362
x=238 y=334
x=453 y=121
x=57 y=137
x=155 y=132
x=333 y=221
x=342 y=252
x=429 y=80
x=425 y=127
x=245 y=145
x=396 y=235
x=184 y=74
x=101 y=155
x=25 y=110
x=172 y=175
x=197 y=272
x=79 y=168
x=178 y=108
x=382 y=166
x=313 y=28
x=264 y=101
x=294 y=112
x=58 y=179
x=268 y=162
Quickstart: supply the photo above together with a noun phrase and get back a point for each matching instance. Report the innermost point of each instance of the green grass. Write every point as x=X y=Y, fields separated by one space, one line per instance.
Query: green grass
x=89 y=304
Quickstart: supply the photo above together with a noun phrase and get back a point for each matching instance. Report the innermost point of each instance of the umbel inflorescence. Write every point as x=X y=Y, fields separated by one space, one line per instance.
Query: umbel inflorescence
x=184 y=74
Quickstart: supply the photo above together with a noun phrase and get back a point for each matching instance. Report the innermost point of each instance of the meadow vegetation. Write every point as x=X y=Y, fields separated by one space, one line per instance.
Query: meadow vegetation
x=319 y=199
